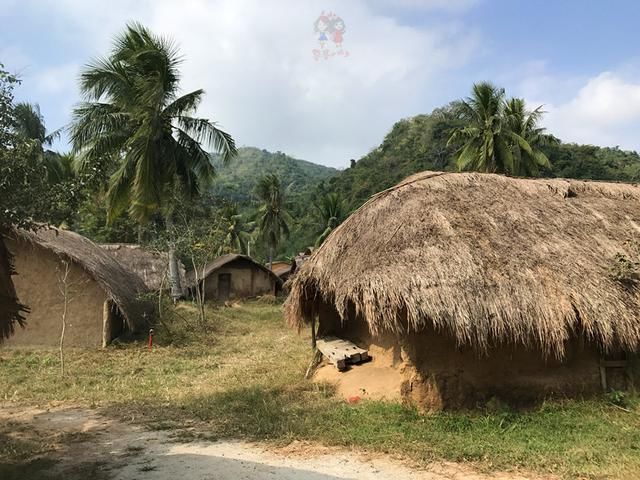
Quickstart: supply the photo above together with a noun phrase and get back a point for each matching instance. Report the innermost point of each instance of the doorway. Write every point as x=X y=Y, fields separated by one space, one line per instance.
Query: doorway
x=224 y=286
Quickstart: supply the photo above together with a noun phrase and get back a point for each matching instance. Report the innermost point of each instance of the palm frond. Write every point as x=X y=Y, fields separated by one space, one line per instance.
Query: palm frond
x=205 y=131
x=184 y=105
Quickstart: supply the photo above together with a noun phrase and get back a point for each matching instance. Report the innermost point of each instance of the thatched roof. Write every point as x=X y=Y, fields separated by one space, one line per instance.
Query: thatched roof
x=486 y=258
x=149 y=265
x=122 y=287
x=223 y=260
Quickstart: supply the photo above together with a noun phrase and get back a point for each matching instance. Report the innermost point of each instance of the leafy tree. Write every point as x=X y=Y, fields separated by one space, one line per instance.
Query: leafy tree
x=331 y=211
x=12 y=312
x=133 y=116
x=487 y=142
x=24 y=198
x=60 y=167
x=273 y=216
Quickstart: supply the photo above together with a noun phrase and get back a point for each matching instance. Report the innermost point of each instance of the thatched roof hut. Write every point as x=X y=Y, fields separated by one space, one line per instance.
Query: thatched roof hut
x=485 y=260
x=151 y=266
x=235 y=276
x=105 y=297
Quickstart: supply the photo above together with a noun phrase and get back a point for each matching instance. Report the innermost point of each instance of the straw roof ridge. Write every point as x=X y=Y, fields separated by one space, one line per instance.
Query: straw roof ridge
x=122 y=286
x=485 y=257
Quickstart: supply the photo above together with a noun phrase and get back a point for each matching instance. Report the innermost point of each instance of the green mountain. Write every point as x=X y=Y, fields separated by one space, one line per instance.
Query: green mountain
x=420 y=143
x=237 y=180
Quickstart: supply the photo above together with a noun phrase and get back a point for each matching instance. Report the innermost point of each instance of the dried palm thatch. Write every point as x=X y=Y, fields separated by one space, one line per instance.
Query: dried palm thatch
x=486 y=258
x=12 y=312
x=124 y=288
x=151 y=266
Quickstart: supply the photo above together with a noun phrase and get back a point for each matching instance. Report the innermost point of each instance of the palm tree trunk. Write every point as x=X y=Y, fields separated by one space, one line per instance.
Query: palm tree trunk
x=270 y=257
x=174 y=269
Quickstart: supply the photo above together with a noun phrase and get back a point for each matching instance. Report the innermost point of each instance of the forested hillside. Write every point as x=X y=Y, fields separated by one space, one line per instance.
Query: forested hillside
x=237 y=180
x=420 y=143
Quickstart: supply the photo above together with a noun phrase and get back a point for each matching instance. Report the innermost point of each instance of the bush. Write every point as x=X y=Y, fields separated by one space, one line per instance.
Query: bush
x=618 y=398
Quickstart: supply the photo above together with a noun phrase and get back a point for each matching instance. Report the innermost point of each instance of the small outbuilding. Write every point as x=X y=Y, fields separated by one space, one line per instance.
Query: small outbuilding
x=104 y=300
x=235 y=276
x=468 y=286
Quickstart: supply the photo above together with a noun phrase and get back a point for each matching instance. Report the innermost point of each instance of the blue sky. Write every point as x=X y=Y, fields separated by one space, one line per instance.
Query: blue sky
x=255 y=60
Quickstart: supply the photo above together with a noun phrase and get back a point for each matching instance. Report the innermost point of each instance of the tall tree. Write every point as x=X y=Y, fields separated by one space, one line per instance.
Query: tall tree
x=29 y=123
x=526 y=124
x=237 y=229
x=273 y=216
x=133 y=116
x=330 y=211
x=12 y=312
x=486 y=139
x=24 y=198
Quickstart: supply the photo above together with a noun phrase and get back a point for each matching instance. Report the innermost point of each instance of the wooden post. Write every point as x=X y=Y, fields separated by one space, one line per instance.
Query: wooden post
x=313 y=332
x=106 y=323
x=603 y=376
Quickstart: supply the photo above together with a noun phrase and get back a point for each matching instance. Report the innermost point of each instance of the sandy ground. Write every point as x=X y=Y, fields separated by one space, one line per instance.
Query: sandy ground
x=366 y=381
x=97 y=447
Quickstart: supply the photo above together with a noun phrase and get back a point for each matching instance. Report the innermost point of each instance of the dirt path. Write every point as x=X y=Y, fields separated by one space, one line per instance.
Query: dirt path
x=83 y=444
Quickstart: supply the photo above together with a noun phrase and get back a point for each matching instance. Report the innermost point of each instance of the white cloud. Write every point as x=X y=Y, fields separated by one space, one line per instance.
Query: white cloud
x=255 y=61
x=606 y=101
x=604 y=111
x=14 y=59
x=57 y=79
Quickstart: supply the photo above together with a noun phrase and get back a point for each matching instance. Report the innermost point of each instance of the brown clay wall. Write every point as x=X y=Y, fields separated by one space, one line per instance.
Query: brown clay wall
x=449 y=375
x=37 y=286
x=438 y=374
x=246 y=281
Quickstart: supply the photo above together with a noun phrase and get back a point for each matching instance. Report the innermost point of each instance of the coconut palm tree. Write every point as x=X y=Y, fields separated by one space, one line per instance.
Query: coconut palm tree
x=273 y=217
x=330 y=211
x=238 y=231
x=29 y=123
x=60 y=167
x=133 y=116
x=526 y=124
x=486 y=138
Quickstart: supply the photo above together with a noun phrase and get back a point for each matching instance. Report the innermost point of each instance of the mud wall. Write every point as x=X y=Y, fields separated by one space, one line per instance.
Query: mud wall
x=38 y=286
x=438 y=374
x=247 y=281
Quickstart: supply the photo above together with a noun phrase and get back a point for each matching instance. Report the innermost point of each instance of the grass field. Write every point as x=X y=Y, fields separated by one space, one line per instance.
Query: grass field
x=242 y=376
